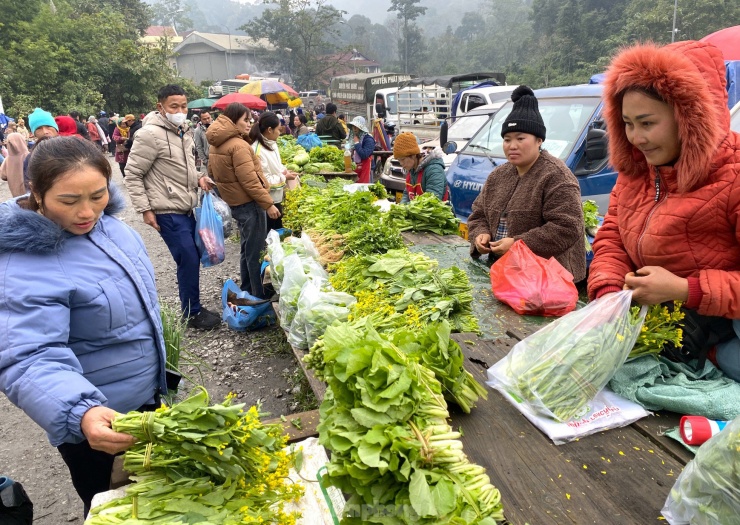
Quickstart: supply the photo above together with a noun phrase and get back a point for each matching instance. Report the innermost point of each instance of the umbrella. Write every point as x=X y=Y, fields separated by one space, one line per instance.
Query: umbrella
x=273 y=92
x=266 y=87
x=250 y=101
x=727 y=40
x=201 y=103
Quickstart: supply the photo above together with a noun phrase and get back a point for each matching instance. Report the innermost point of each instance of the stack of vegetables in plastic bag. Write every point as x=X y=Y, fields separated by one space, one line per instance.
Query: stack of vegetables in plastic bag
x=708 y=490
x=563 y=366
x=308 y=303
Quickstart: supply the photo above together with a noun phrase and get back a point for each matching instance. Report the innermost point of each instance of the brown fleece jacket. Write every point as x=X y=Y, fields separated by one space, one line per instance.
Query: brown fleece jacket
x=543 y=209
x=234 y=166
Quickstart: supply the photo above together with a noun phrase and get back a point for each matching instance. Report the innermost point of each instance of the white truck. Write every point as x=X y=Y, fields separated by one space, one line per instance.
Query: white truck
x=362 y=94
x=424 y=103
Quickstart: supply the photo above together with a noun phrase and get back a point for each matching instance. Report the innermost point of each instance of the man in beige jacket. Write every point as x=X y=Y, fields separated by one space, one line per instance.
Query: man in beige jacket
x=163 y=184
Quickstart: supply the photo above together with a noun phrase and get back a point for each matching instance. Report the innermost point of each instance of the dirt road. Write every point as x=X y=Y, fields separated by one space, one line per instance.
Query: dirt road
x=257 y=366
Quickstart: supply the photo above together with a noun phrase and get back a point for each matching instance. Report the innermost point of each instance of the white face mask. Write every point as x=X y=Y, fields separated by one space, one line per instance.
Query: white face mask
x=178 y=119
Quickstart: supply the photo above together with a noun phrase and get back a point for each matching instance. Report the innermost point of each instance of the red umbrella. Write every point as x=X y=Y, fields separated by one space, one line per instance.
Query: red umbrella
x=250 y=101
x=727 y=40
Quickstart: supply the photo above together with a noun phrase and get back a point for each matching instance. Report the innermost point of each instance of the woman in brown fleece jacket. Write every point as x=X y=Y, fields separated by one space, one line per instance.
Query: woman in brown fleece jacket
x=533 y=197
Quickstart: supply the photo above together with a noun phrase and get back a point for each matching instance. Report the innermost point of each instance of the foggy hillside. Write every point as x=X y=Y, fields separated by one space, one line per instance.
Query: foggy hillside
x=214 y=15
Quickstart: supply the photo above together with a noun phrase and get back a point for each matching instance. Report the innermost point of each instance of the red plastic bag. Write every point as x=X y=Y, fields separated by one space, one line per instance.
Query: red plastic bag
x=533 y=285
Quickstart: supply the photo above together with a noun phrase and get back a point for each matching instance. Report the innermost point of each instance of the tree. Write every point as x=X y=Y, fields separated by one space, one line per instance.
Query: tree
x=171 y=12
x=303 y=32
x=92 y=59
x=407 y=11
x=653 y=19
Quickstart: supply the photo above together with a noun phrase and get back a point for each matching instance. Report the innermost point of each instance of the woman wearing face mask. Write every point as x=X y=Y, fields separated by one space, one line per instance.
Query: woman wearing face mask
x=238 y=172
x=82 y=336
x=673 y=227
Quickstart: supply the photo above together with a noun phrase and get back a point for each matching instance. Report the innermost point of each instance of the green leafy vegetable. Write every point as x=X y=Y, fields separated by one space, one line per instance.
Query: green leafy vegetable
x=425 y=213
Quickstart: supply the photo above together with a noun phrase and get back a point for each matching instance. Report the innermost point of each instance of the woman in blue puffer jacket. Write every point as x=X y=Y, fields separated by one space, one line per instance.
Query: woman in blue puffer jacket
x=80 y=330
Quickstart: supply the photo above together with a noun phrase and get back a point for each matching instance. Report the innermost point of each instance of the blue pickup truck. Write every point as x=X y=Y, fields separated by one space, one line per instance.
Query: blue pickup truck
x=575 y=134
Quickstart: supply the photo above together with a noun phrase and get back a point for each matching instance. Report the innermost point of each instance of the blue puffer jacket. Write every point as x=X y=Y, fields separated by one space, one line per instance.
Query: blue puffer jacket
x=79 y=319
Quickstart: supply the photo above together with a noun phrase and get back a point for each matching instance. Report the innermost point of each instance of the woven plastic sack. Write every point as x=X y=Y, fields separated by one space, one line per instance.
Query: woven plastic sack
x=209 y=233
x=533 y=285
x=309 y=141
x=708 y=490
x=559 y=369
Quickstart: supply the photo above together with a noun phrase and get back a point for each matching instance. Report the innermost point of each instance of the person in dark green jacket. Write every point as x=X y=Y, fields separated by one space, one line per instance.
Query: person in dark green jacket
x=329 y=126
x=424 y=173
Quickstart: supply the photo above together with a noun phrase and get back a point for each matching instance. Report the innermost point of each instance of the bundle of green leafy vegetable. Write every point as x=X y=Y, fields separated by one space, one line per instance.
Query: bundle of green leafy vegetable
x=590 y=220
x=426 y=213
x=199 y=463
x=288 y=149
x=385 y=420
x=412 y=279
x=376 y=235
x=708 y=490
x=662 y=326
x=562 y=367
x=328 y=154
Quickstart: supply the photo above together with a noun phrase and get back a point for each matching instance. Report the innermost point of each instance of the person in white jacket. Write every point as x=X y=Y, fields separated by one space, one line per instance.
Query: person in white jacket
x=263 y=136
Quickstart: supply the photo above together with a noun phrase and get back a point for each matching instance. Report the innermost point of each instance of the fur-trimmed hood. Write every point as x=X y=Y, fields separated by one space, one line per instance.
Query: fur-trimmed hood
x=27 y=231
x=690 y=76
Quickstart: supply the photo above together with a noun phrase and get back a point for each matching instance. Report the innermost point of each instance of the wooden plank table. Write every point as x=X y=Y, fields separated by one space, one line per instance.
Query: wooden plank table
x=619 y=476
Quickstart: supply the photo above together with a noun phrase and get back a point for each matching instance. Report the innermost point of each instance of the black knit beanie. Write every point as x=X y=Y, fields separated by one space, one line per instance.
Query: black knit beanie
x=525 y=116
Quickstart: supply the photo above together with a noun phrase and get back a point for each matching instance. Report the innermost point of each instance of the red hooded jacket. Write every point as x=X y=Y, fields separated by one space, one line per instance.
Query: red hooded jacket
x=684 y=218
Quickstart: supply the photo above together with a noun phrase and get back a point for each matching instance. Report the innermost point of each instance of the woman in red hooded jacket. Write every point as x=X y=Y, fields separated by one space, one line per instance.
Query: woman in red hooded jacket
x=672 y=231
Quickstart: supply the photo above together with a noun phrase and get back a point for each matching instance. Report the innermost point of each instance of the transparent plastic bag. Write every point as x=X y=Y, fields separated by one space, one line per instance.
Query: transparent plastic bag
x=293 y=280
x=224 y=211
x=276 y=255
x=327 y=307
x=708 y=490
x=559 y=369
x=309 y=246
x=297 y=331
x=209 y=235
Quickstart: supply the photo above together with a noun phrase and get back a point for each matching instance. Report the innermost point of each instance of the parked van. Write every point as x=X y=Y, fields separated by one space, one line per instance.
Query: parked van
x=575 y=134
x=460 y=132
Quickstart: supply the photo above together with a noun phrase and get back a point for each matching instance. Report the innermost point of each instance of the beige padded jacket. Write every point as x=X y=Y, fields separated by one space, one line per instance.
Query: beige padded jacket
x=160 y=172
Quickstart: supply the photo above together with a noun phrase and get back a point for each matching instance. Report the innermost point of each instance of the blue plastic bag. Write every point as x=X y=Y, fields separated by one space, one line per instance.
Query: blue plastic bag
x=209 y=233
x=243 y=318
x=309 y=141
